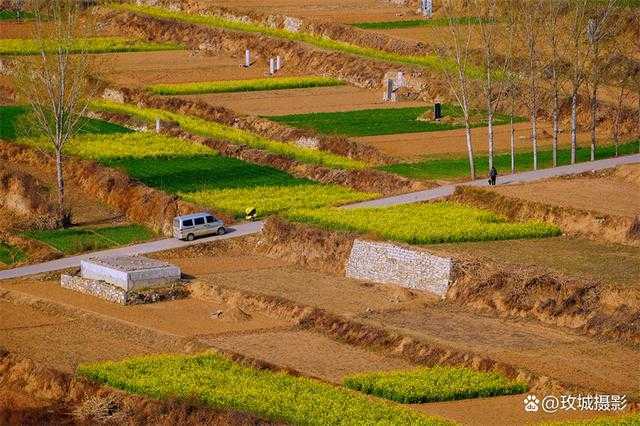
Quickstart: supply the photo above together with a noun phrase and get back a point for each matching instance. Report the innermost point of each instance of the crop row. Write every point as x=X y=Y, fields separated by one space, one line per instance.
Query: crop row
x=19 y=47
x=433 y=384
x=199 y=175
x=214 y=130
x=427 y=61
x=429 y=223
x=220 y=383
x=251 y=85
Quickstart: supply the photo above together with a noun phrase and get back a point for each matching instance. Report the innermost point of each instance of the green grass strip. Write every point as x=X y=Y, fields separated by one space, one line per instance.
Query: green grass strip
x=15 y=122
x=427 y=61
x=10 y=255
x=415 y=23
x=215 y=130
x=223 y=384
x=458 y=167
x=253 y=85
x=427 y=223
x=199 y=175
x=382 y=121
x=78 y=240
x=19 y=47
x=433 y=384
x=12 y=15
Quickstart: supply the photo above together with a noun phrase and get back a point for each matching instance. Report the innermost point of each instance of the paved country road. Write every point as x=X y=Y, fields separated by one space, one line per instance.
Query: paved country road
x=144 y=248
x=255 y=227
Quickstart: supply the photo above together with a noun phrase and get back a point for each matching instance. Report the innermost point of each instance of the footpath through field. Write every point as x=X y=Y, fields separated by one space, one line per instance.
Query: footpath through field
x=255 y=227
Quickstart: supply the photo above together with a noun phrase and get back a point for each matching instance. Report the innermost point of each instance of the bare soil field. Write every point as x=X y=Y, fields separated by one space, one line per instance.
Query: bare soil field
x=308 y=353
x=604 y=194
x=302 y=101
x=417 y=146
x=349 y=11
x=140 y=69
x=613 y=264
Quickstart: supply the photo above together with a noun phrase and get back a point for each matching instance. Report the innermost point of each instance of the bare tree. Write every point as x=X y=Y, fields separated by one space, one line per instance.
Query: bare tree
x=576 y=43
x=531 y=15
x=554 y=70
x=511 y=74
x=599 y=28
x=56 y=83
x=493 y=85
x=459 y=80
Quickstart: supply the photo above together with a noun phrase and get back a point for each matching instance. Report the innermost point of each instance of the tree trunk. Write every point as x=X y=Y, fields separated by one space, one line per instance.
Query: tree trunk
x=513 y=147
x=574 y=125
x=62 y=215
x=556 y=126
x=616 y=122
x=594 y=118
x=534 y=138
x=472 y=166
x=491 y=138
x=639 y=119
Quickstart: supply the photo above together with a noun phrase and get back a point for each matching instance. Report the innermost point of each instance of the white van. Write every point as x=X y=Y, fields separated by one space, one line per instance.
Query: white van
x=190 y=226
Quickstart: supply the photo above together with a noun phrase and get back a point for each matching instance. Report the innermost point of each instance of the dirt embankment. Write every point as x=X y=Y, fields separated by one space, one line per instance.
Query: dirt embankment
x=373 y=337
x=368 y=180
x=332 y=30
x=597 y=226
x=137 y=202
x=269 y=129
x=591 y=308
x=33 y=394
x=26 y=197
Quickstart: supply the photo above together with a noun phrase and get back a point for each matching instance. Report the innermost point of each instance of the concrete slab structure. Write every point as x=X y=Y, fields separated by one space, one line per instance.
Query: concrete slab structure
x=130 y=272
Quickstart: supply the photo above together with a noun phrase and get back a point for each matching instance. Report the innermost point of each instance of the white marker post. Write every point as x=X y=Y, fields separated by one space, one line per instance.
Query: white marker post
x=400 y=79
x=247 y=58
x=272 y=66
x=278 y=63
x=157 y=125
x=427 y=8
x=389 y=94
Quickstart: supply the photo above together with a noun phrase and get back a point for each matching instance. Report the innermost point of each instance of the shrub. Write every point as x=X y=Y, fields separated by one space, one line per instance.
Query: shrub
x=252 y=85
x=10 y=255
x=433 y=384
x=221 y=383
x=427 y=223
x=211 y=129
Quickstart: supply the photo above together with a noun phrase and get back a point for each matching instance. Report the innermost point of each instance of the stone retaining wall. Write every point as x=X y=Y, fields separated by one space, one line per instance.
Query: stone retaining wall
x=95 y=288
x=392 y=264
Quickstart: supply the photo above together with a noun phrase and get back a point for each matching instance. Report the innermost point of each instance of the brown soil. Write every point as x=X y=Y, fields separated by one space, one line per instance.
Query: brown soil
x=25 y=196
x=418 y=146
x=302 y=101
x=308 y=353
x=608 y=194
x=572 y=221
x=501 y=410
x=333 y=10
x=141 y=69
x=579 y=258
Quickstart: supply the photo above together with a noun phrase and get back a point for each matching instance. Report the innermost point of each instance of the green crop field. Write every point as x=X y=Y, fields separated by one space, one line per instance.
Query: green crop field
x=199 y=175
x=78 y=240
x=89 y=45
x=220 y=383
x=15 y=122
x=433 y=384
x=414 y=23
x=383 y=121
x=12 y=15
x=10 y=255
x=428 y=61
x=251 y=85
x=427 y=223
x=214 y=130
x=458 y=168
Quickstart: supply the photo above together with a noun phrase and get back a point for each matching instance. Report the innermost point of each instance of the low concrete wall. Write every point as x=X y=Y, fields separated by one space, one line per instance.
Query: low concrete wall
x=95 y=288
x=391 y=264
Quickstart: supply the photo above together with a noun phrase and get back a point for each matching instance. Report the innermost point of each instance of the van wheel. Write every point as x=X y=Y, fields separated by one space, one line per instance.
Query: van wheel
x=222 y=231
x=190 y=237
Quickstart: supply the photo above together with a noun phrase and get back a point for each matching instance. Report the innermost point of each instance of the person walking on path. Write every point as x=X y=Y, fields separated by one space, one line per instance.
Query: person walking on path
x=493 y=176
